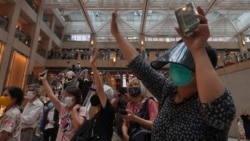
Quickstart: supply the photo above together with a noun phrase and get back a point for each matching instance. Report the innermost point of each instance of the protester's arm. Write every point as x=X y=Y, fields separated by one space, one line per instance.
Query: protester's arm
x=209 y=84
x=77 y=120
x=97 y=80
x=127 y=50
x=50 y=93
x=140 y=68
x=143 y=122
x=125 y=131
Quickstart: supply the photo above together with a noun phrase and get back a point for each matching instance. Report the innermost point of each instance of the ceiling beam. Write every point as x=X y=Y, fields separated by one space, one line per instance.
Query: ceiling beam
x=61 y=20
x=144 y=16
x=60 y=6
x=86 y=15
x=211 y=4
x=243 y=22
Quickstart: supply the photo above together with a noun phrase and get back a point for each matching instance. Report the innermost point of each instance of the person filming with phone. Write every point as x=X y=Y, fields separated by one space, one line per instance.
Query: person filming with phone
x=194 y=104
x=140 y=113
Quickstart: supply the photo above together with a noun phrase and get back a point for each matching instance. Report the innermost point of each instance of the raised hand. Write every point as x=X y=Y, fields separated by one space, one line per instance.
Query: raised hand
x=76 y=108
x=93 y=58
x=114 y=27
x=43 y=75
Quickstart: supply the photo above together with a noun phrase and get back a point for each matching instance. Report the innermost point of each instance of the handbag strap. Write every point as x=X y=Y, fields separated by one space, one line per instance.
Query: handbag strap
x=144 y=113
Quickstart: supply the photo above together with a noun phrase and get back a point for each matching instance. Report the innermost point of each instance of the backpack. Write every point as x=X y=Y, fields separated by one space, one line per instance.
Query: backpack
x=136 y=131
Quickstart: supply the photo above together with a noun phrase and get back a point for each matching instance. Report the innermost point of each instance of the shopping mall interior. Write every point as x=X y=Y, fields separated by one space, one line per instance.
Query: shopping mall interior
x=55 y=35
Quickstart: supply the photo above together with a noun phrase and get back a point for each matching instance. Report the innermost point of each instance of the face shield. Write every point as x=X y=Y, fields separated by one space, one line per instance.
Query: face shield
x=180 y=54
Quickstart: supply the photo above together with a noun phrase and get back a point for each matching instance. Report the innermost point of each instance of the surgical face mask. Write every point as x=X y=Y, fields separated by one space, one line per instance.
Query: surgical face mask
x=68 y=101
x=180 y=75
x=50 y=105
x=134 y=91
x=5 y=100
x=30 y=94
x=94 y=100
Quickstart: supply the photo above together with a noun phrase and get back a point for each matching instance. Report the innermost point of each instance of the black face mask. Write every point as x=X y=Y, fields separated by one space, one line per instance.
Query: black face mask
x=134 y=91
x=94 y=100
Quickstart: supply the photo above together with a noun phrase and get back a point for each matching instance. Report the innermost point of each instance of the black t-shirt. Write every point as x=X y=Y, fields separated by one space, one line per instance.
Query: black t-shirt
x=246 y=124
x=121 y=105
x=118 y=117
x=103 y=122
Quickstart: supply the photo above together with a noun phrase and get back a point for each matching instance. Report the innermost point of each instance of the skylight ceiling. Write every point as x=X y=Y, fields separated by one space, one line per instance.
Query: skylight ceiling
x=227 y=18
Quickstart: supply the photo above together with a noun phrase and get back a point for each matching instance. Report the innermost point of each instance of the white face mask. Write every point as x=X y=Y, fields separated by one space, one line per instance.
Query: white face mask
x=30 y=95
x=68 y=101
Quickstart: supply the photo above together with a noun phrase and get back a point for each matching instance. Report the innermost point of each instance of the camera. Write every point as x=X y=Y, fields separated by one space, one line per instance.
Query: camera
x=43 y=73
x=186 y=19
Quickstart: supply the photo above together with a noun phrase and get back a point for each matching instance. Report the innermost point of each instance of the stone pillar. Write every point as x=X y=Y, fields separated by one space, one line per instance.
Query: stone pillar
x=35 y=40
x=15 y=9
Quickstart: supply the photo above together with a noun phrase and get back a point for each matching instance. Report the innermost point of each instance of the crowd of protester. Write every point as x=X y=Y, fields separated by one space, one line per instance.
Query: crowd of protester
x=192 y=105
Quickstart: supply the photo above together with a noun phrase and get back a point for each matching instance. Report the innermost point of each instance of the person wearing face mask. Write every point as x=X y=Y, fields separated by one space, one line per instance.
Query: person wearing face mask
x=32 y=112
x=136 y=117
x=50 y=122
x=102 y=122
x=72 y=115
x=10 y=121
x=194 y=104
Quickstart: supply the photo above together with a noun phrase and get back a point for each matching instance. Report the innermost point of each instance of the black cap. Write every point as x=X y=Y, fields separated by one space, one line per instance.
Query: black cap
x=180 y=54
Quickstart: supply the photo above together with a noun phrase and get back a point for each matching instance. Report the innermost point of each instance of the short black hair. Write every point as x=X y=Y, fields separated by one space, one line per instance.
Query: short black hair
x=75 y=91
x=15 y=92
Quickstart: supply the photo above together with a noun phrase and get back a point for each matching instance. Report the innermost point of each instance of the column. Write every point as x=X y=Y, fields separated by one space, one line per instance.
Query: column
x=9 y=43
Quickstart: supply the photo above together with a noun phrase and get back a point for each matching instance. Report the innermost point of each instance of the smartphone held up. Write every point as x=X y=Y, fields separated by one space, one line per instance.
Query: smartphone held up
x=42 y=73
x=186 y=19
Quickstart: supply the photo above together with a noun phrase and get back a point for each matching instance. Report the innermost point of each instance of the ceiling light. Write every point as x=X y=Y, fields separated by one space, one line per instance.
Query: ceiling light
x=92 y=42
x=243 y=42
x=142 y=42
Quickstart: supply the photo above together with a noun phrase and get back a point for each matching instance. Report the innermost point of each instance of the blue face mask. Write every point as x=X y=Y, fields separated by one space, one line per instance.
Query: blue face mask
x=50 y=105
x=180 y=75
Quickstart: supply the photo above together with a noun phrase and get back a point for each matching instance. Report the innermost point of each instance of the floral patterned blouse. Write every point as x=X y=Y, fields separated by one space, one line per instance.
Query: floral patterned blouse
x=11 y=122
x=189 y=120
